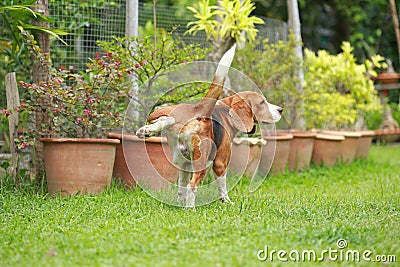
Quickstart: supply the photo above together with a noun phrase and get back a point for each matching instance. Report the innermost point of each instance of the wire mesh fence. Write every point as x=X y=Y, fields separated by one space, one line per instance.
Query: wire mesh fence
x=92 y=20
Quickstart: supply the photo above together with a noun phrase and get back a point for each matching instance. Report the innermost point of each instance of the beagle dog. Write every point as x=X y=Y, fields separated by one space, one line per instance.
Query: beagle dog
x=203 y=132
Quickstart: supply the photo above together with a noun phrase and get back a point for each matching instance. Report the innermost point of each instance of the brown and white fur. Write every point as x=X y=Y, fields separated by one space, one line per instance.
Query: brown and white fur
x=201 y=132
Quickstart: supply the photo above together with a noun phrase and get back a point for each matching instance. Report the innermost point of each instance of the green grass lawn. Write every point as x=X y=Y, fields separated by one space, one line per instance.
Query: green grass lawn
x=305 y=211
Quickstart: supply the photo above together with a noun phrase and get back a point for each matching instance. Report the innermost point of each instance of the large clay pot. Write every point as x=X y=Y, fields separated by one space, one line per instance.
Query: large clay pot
x=245 y=155
x=301 y=149
x=364 y=143
x=147 y=161
x=388 y=77
x=349 y=145
x=78 y=165
x=388 y=133
x=327 y=149
x=281 y=142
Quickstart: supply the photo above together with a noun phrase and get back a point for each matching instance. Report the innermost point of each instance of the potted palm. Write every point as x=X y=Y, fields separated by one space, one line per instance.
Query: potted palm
x=82 y=108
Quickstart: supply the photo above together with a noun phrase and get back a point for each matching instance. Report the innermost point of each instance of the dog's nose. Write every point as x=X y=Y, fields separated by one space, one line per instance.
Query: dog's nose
x=280 y=110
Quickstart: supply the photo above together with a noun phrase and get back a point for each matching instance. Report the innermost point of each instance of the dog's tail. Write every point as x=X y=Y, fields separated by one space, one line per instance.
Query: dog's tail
x=208 y=102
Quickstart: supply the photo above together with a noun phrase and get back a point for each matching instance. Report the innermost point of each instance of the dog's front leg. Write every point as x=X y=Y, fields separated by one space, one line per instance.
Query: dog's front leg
x=183 y=180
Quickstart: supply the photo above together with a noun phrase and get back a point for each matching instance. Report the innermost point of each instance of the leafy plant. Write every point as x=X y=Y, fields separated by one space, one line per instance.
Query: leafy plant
x=374 y=120
x=273 y=70
x=147 y=60
x=337 y=89
x=80 y=105
x=370 y=28
x=224 y=25
x=16 y=18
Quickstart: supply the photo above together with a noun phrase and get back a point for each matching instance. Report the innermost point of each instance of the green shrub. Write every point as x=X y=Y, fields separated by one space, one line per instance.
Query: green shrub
x=273 y=71
x=337 y=89
x=374 y=120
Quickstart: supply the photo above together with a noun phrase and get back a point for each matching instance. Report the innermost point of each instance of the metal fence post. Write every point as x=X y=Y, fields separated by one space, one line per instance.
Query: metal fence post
x=132 y=30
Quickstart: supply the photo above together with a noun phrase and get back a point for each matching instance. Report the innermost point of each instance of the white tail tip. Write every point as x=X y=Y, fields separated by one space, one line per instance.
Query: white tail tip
x=225 y=63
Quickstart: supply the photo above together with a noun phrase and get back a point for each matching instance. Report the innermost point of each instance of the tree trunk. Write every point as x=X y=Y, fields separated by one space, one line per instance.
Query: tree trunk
x=297 y=120
x=40 y=74
x=220 y=47
x=395 y=19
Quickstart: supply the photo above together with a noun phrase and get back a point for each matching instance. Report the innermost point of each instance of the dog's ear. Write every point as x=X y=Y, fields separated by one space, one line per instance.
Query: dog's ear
x=241 y=116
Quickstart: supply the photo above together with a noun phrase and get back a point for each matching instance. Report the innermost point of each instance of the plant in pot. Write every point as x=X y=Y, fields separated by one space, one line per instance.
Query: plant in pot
x=82 y=108
x=339 y=95
x=389 y=75
x=151 y=61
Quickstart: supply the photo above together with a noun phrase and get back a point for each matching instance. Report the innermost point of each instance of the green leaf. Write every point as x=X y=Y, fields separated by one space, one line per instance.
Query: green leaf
x=53 y=32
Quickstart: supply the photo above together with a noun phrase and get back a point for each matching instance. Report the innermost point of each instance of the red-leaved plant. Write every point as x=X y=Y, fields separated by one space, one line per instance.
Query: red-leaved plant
x=82 y=105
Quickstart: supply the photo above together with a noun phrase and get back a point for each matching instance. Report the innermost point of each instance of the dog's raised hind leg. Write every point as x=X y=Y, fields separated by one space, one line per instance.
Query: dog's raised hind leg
x=201 y=152
x=156 y=126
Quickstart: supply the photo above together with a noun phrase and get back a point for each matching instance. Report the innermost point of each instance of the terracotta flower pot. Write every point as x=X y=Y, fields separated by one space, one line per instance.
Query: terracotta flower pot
x=246 y=153
x=301 y=149
x=282 y=143
x=327 y=149
x=386 y=135
x=78 y=165
x=388 y=77
x=364 y=144
x=349 y=145
x=147 y=161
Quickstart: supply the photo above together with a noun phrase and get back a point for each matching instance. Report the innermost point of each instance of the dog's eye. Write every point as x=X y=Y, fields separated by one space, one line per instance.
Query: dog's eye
x=263 y=102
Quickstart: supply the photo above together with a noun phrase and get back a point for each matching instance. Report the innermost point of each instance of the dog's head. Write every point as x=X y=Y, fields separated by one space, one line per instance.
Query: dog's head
x=248 y=107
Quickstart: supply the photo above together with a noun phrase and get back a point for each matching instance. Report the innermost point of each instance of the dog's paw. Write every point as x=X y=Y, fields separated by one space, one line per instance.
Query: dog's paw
x=143 y=132
x=181 y=199
x=226 y=199
x=190 y=199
